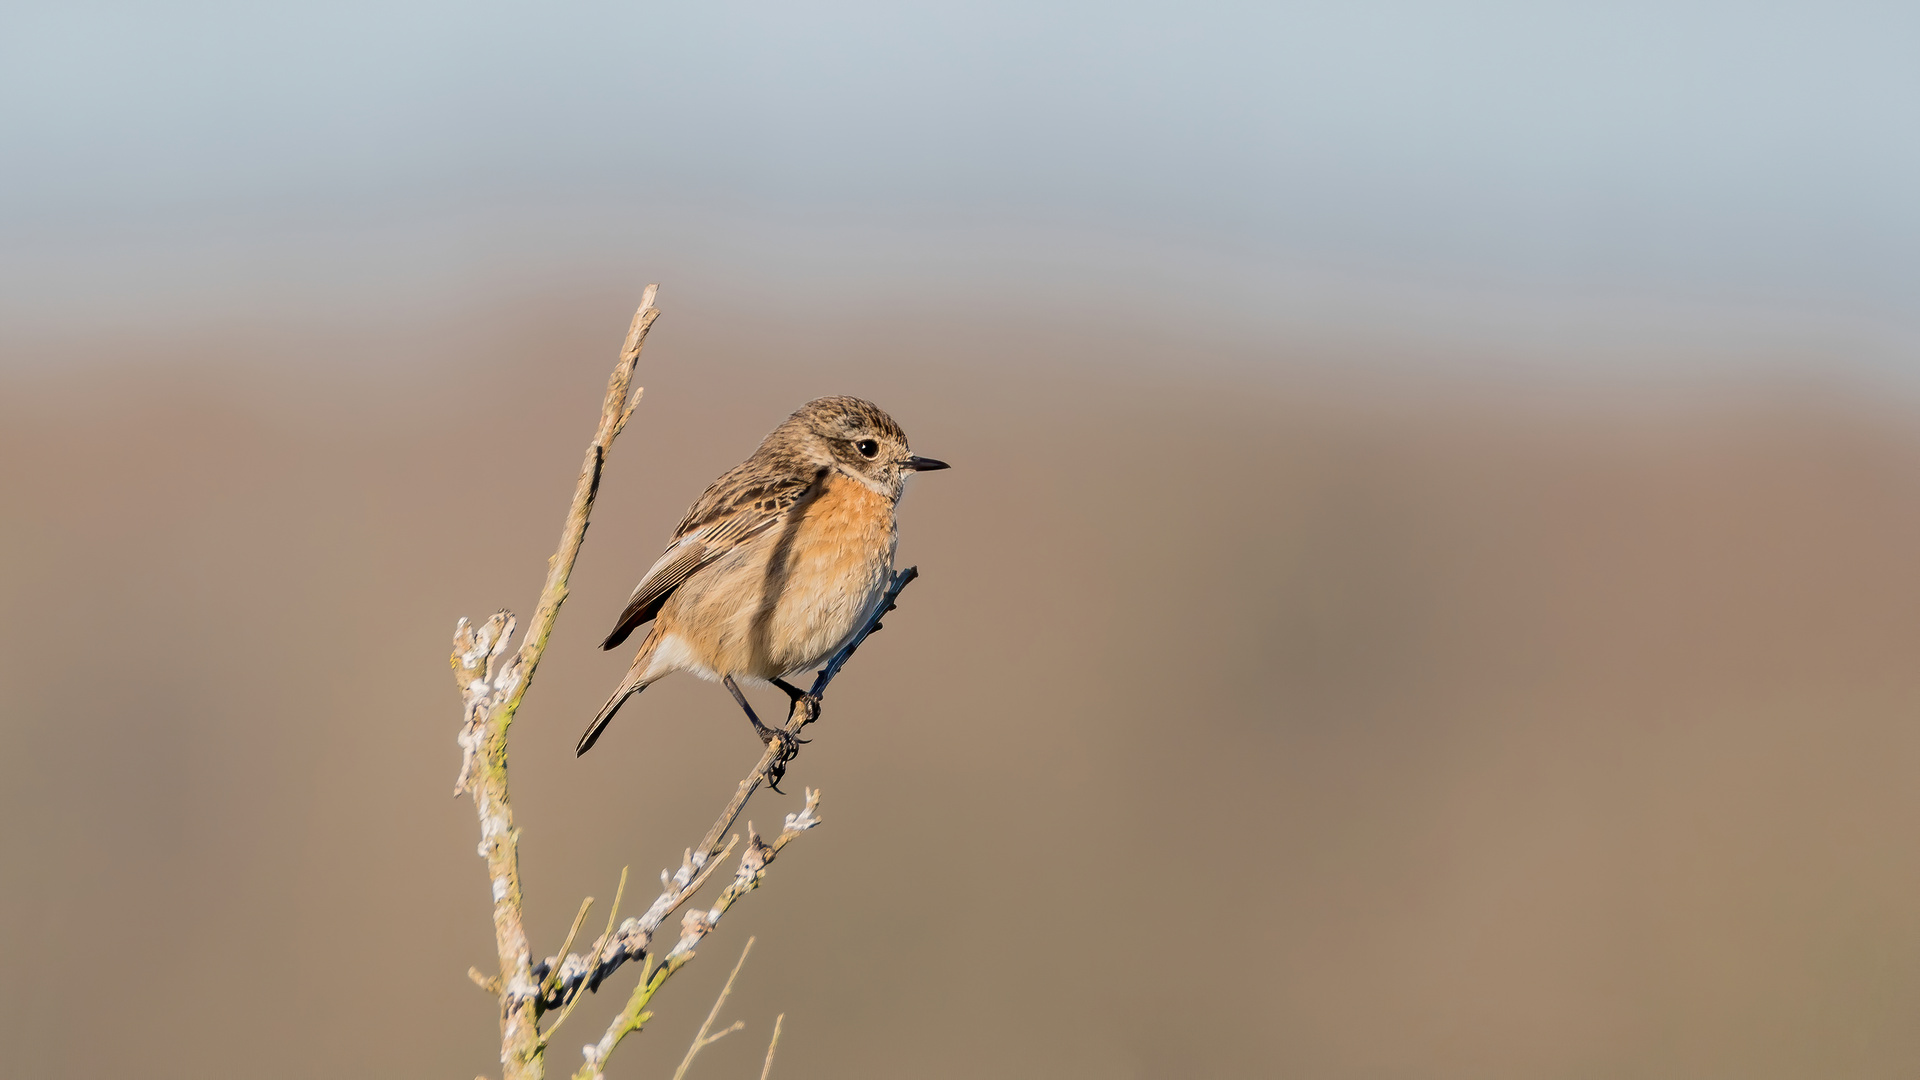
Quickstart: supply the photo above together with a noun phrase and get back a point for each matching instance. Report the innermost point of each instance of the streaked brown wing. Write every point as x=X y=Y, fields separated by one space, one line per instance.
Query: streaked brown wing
x=728 y=515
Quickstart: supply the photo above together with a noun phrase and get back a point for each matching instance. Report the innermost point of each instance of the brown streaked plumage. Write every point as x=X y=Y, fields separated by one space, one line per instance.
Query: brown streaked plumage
x=779 y=563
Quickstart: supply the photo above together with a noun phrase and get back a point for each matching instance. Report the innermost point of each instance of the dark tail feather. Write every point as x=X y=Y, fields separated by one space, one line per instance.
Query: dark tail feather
x=600 y=722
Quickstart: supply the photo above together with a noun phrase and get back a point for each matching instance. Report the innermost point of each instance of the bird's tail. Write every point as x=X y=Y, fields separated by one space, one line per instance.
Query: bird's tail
x=627 y=689
x=629 y=686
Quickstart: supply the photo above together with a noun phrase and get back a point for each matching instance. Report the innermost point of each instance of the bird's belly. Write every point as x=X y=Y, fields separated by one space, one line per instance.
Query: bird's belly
x=797 y=596
x=819 y=610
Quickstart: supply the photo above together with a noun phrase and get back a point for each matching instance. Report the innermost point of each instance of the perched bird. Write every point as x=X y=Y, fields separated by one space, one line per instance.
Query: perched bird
x=779 y=563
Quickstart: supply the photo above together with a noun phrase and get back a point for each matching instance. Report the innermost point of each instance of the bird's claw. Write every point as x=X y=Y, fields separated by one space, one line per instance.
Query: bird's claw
x=789 y=746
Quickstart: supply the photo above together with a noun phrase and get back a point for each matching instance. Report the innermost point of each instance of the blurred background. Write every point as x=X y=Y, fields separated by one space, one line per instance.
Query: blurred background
x=1426 y=589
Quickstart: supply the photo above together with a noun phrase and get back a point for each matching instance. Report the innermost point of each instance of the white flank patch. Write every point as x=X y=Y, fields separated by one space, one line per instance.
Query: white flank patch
x=674 y=654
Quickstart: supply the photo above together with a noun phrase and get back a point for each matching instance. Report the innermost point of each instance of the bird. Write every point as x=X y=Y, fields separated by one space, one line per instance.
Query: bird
x=778 y=564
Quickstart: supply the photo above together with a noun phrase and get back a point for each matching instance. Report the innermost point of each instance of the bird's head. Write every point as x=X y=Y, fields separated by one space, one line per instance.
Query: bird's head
x=859 y=439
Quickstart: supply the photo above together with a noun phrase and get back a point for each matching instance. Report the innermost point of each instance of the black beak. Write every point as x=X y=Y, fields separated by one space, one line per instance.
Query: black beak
x=926 y=464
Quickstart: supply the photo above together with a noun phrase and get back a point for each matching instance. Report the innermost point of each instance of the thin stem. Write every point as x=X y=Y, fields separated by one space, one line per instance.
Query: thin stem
x=614 y=411
x=581 y=990
x=613 y=914
x=694 y=929
x=767 y=1069
x=700 y=1040
x=572 y=931
x=700 y=879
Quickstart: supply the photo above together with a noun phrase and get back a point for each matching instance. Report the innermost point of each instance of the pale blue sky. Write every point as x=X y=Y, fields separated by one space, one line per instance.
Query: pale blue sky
x=1743 y=155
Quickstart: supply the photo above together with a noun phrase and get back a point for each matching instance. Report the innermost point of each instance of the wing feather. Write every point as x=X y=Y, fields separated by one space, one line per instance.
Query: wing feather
x=733 y=511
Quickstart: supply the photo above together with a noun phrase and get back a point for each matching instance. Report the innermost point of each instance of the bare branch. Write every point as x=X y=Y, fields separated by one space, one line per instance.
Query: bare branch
x=753 y=868
x=702 y=1040
x=491 y=690
x=695 y=926
x=767 y=1069
x=572 y=932
x=634 y=937
x=570 y=975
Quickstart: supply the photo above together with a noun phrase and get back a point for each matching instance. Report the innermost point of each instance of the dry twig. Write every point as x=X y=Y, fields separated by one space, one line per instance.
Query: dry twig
x=492 y=690
x=767 y=1069
x=564 y=973
x=702 y=1040
x=696 y=925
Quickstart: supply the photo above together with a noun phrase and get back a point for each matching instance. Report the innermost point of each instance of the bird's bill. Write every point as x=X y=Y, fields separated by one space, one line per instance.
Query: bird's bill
x=926 y=464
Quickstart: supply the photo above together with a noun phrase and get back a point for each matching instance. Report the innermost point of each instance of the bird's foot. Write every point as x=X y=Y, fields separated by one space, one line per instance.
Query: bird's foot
x=786 y=748
x=809 y=707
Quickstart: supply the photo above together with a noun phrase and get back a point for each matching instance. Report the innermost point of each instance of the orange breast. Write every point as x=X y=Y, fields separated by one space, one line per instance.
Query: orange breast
x=791 y=596
x=835 y=570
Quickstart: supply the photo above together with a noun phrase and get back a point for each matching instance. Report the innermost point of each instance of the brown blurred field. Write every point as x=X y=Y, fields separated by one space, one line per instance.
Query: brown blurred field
x=1249 y=720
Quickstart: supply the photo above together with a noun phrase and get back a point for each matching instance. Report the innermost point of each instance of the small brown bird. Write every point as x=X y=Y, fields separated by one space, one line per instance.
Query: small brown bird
x=779 y=563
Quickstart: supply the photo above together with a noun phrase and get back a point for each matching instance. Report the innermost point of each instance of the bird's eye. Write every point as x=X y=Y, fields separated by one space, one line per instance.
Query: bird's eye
x=867 y=447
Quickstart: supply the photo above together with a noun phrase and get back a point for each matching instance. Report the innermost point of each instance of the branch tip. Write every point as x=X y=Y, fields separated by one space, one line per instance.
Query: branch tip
x=491 y=685
x=767 y=1069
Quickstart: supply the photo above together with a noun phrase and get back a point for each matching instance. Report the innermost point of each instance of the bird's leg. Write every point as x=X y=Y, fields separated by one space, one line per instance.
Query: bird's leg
x=795 y=694
x=766 y=733
x=789 y=744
